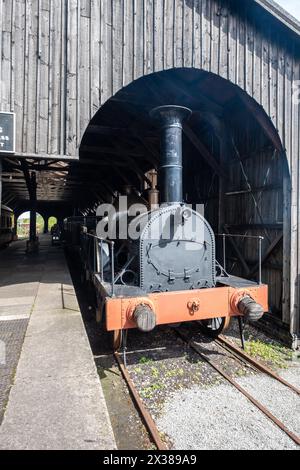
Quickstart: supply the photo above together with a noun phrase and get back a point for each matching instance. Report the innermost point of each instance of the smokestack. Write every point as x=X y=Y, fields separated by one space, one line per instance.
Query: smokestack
x=171 y=119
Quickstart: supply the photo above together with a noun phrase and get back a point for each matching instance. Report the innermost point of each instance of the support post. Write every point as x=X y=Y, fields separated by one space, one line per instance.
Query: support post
x=46 y=225
x=15 y=230
x=241 y=328
x=33 y=209
x=224 y=146
x=33 y=243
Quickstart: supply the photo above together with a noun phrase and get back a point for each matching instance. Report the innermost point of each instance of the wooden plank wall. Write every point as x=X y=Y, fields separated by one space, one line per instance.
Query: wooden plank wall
x=62 y=59
x=257 y=166
x=262 y=208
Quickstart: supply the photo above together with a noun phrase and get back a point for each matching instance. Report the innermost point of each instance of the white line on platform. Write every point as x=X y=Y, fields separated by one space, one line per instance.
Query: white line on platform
x=15 y=301
x=23 y=316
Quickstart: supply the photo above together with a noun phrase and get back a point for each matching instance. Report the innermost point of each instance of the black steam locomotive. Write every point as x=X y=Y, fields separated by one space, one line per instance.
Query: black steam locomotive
x=168 y=272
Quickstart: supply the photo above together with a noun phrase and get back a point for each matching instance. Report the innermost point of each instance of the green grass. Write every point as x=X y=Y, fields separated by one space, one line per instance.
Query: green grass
x=145 y=360
x=175 y=373
x=148 y=392
x=154 y=372
x=272 y=353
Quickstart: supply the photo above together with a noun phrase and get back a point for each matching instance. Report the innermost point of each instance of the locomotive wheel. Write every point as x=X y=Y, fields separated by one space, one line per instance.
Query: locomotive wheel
x=117 y=339
x=175 y=325
x=215 y=326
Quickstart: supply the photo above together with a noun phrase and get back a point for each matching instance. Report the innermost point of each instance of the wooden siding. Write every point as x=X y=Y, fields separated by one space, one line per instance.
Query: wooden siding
x=62 y=59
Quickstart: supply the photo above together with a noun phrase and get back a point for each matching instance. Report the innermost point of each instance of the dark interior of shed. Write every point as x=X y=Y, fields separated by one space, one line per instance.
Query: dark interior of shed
x=234 y=163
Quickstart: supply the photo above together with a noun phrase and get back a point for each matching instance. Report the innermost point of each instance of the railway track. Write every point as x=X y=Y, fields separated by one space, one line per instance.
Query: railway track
x=236 y=353
x=254 y=364
x=239 y=353
x=147 y=418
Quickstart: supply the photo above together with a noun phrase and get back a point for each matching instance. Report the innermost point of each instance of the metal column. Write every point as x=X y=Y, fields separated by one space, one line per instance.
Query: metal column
x=46 y=225
x=33 y=208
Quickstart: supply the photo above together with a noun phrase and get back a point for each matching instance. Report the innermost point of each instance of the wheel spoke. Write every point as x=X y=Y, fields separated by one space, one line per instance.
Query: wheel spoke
x=214 y=326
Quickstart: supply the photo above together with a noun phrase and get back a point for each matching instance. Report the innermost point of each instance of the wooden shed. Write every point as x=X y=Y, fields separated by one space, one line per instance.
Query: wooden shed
x=82 y=75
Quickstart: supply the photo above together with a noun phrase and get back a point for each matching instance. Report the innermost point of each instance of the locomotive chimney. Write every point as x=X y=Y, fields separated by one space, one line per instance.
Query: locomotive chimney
x=171 y=119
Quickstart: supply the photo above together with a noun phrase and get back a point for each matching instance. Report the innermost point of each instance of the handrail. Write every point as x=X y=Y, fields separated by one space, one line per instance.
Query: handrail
x=98 y=258
x=231 y=235
x=253 y=237
x=109 y=242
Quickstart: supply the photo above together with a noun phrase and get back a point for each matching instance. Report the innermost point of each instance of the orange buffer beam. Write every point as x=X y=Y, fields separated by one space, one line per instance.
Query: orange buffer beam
x=183 y=306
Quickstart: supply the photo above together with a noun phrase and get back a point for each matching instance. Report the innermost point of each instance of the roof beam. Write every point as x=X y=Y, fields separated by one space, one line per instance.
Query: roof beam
x=35 y=156
x=110 y=151
x=204 y=152
x=48 y=168
x=119 y=131
x=29 y=182
x=260 y=116
x=238 y=252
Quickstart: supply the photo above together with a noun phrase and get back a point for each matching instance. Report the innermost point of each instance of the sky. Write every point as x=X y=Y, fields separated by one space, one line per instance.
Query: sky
x=26 y=215
x=292 y=6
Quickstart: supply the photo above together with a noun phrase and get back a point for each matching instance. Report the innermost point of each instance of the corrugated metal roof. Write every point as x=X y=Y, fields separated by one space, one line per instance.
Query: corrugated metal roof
x=281 y=14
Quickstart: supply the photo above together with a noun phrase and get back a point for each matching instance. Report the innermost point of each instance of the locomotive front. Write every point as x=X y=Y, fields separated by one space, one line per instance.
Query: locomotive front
x=176 y=245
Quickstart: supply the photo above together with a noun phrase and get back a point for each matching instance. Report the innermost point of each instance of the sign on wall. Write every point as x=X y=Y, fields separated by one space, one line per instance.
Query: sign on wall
x=7 y=132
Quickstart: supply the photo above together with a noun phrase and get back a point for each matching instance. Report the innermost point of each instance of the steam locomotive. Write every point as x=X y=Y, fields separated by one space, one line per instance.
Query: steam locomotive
x=167 y=273
x=6 y=226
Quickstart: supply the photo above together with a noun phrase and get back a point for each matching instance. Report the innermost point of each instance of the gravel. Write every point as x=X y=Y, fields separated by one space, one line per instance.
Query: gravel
x=219 y=417
x=292 y=375
x=196 y=409
x=277 y=398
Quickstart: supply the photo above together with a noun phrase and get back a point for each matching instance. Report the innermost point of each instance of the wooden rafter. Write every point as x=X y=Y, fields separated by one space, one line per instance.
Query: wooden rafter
x=261 y=118
x=204 y=152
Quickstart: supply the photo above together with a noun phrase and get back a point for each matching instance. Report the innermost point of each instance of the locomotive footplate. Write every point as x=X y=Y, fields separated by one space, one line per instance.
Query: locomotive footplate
x=234 y=281
x=185 y=306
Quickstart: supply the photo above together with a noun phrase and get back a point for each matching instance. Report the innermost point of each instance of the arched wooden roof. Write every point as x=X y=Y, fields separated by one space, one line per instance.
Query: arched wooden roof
x=62 y=61
x=121 y=142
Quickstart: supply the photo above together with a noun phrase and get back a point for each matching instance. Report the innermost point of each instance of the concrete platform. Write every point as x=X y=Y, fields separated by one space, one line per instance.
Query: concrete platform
x=56 y=400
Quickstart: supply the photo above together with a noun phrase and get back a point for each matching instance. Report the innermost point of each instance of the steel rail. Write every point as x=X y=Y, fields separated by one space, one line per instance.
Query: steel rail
x=149 y=422
x=253 y=400
x=222 y=341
